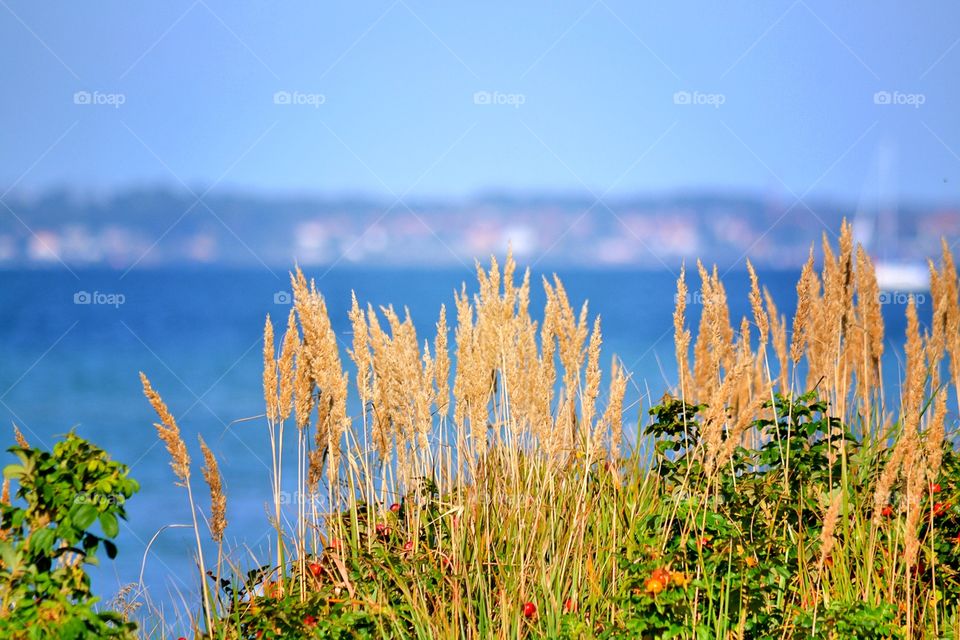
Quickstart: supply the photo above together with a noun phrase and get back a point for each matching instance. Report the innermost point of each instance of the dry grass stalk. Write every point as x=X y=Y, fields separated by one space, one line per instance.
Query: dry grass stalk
x=20 y=439
x=807 y=292
x=218 y=499
x=681 y=336
x=950 y=285
x=441 y=369
x=830 y=518
x=270 y=373
x=472 y=379
x=871 y=326
x=169 y=432
x=915 y=489
x=326 y=371
x=302 y=390
x=613 y=416
x=588 y=399
x=756 y=305
x=778 y=333
x=288 y=349
x=933 y=440
x=360 y=354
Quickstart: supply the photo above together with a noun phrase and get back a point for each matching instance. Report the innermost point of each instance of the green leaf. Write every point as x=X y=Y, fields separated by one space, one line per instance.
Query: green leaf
x=42 y=540
x=13 y=471
x=9 y=555
x=84 y=516
x=109 y=523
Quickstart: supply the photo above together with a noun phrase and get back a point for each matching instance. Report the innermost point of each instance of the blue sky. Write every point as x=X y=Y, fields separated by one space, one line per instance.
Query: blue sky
x=603 y=96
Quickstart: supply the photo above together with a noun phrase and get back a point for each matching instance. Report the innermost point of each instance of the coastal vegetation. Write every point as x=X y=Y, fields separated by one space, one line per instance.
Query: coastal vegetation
x=487 y=486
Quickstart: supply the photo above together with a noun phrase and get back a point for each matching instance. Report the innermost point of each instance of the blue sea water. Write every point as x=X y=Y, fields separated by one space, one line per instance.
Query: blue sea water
x=72 y=343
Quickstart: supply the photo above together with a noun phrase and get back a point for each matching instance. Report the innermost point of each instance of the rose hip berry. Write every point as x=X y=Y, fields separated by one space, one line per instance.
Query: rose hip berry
x=654 y=585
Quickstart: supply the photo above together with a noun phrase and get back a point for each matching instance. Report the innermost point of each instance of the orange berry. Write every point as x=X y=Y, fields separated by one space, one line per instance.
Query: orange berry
x=661 y=574
x=653 y=586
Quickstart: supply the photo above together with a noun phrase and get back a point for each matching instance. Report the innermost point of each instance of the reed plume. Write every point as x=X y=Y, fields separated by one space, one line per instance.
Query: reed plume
x=270 y=373
x=218 y=499
x=830 y=518
x=807 y=292
x=289 y=347
x=441 y=368
x=756 y=305
x=169 y=433
x=20 y=439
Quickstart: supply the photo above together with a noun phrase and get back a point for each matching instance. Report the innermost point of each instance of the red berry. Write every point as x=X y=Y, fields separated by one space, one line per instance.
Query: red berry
x=382 y=530
x=935 y=488
x=408 y=546
x=529 y=610
x=395 y=507
x=887 y=511
x=309 y=621
x=315 y=569
x=940 y=508
x=569 y=605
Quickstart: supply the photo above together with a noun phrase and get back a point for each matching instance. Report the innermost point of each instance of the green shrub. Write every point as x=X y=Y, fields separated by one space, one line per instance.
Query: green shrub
x=47 y=539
